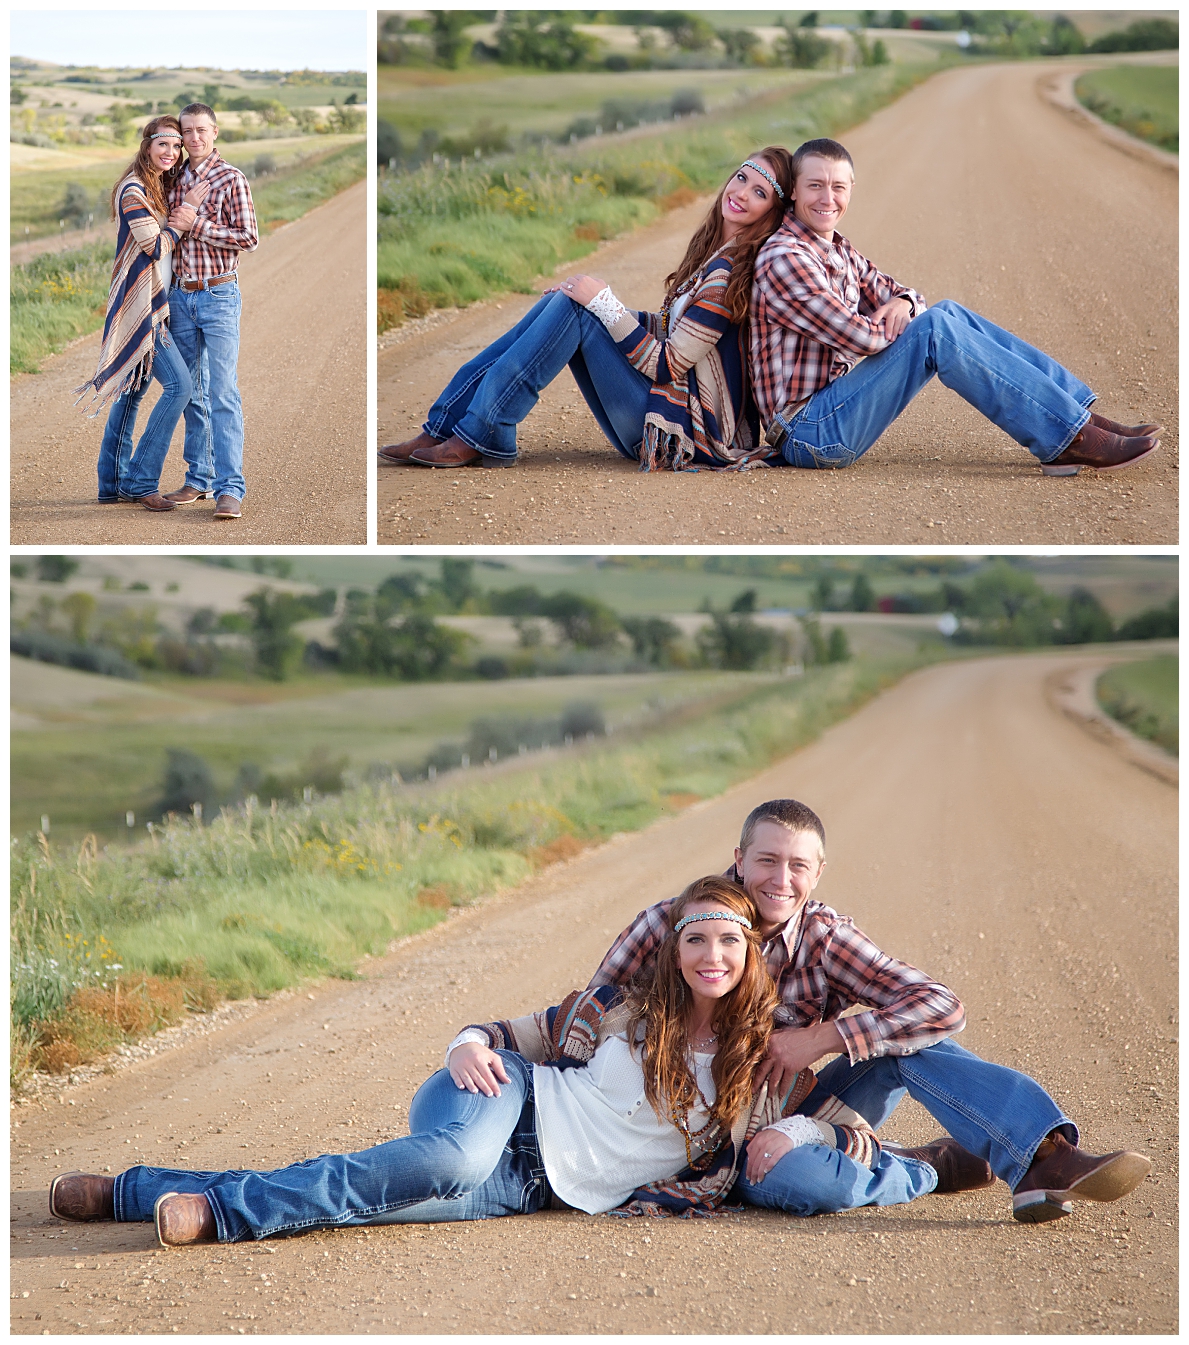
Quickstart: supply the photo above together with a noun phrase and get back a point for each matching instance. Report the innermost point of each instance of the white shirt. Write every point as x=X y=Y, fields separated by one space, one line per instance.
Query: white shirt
x=599 y=1136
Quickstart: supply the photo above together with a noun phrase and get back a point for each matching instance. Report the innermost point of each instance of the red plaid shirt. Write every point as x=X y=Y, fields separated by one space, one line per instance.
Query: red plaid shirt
x=226 y=223
x=822 y=965
x=809 y=307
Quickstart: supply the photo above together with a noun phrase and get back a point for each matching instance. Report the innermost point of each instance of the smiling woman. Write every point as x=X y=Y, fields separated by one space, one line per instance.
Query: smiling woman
x=668 y=389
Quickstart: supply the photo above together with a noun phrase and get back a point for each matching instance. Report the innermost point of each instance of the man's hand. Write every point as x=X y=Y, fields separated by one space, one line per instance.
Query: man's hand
x=182 y=217
x=895 y=315
x=792 y=1049
x=764 y=1152
x=477 y=1068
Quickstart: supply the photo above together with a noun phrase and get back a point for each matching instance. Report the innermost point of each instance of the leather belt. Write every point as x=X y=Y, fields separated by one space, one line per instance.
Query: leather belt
x=192 y=285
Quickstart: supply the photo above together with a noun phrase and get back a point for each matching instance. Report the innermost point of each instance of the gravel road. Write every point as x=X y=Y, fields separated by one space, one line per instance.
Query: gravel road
x=974 y=829
x=303 y=378
x=973 y=187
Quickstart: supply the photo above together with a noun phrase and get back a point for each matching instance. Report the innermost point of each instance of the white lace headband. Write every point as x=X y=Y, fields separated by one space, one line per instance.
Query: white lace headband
x=711 y=915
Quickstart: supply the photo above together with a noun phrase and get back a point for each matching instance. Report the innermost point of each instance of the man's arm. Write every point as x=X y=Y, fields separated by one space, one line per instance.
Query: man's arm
x=634 y=947
x=797 y=292
x=877 y=290
x=240 y=230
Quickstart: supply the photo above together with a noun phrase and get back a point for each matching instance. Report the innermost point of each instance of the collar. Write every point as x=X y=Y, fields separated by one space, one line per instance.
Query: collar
x=805 y=234
x=207 y=164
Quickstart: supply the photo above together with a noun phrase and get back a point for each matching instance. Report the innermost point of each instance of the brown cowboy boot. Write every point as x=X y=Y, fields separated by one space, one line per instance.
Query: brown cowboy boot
x=1061 y=1173
x=82 y=1197
x=401 y=453
x=957 y=1168
x=184 y=1219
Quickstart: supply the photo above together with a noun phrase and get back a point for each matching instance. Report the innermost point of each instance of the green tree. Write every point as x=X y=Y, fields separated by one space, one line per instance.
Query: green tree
x=450 y=43
x=653 y=638
x=79 y=608
x=745 y=602
x=1086 y=621
x=1154 y=623
x=456 y=583
x=55 y=569
x=544 y=39
x=735 y=641
x=862 y=595
x=388 y=144
x=1011 y=606
x=187 y=781
x=837 y=647
x=277 y=647
x=585 y=622
x=1064 y=39
x=823 y=593
x=740 y=44
x=801 y=48
x=16 y=95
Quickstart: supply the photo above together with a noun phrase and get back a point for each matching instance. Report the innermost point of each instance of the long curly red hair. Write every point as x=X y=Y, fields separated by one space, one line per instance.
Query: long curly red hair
x=708 y=237
x=660 y=1003
x=156 y=183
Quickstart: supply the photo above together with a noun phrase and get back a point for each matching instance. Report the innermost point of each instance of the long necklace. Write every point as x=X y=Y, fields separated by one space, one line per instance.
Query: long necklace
x=680 y=1118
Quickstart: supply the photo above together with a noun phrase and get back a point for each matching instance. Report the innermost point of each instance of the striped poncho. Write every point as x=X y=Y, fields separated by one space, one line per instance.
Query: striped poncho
x=569 y=1034
x=700 y=403
x=138 y=301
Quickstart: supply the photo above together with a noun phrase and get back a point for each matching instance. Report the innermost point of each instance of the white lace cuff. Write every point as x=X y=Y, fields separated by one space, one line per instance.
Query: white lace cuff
x=467 y=1034
x=606 y=307
x=800 y=1129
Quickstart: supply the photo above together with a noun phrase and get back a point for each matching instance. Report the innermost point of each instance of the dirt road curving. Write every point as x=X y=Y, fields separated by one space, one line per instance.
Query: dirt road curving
x=303 y=378
x=973 y=187
x=974 y=830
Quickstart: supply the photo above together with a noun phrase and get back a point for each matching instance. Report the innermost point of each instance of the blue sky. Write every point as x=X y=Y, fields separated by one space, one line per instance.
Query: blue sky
x=281 y=39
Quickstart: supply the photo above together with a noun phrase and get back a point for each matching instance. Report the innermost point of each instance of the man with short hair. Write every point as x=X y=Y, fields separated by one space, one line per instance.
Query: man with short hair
x=899 y=1042
x=838 y=349
x=204 y=313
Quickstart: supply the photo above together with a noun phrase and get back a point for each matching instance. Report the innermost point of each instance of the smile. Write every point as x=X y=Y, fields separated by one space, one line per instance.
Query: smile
x=713 y=974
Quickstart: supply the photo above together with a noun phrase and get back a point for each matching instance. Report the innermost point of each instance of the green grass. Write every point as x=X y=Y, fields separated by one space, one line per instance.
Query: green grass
x=546 y=103
x=92 y=763
x=1140 y=99
x=54 y=299
x=61 y=296
x=1144 y=697
x=450 y=237
x=265 y=899
x=36 y=195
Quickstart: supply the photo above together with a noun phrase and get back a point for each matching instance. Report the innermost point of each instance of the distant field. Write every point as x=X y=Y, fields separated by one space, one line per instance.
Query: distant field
x=61 y=296
x=1145 y=697
x=548 y=102
x=36 y=195
x=1142 y=100
x=96 y=758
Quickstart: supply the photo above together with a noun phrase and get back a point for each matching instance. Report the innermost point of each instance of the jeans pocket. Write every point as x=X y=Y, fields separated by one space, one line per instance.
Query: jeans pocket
x=798 y=453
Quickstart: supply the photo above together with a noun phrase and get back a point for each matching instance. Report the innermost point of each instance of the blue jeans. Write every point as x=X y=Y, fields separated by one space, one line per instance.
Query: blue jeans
x=491 y=394
x=205 y=325
x=1027 y=394
x=815 y=1179
x=995 y=1112
x=467 y=1157
x=120 y=472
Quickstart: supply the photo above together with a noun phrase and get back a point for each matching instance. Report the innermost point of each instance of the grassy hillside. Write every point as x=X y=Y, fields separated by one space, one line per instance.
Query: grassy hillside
x=1145 y=697
x=1142 y=100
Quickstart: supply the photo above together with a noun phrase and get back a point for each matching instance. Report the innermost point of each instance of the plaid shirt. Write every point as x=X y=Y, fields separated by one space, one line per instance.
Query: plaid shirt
x=822 y=965
x=809 y=307
x=226 y=223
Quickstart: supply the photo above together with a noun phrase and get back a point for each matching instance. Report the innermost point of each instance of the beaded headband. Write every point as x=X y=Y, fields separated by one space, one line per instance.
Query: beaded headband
x=763 y=172
x=711 y=915
x=159 y=135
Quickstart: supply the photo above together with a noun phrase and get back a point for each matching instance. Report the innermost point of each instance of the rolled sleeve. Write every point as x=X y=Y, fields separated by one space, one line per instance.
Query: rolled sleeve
x=909 y=1010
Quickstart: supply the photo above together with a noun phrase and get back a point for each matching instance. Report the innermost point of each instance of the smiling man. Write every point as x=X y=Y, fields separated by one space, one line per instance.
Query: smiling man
x=897 y=1043
x=204 y=313
x=838 y=349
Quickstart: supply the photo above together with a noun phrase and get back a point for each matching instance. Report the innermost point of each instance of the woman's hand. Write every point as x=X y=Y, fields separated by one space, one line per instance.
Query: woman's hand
x=582 y=289
x=764 y=1152
x=197 y=194
x=477 y=1068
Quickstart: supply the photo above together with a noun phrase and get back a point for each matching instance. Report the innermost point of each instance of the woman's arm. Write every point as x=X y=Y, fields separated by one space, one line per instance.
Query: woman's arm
x=667 y=358
x=153 y=240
